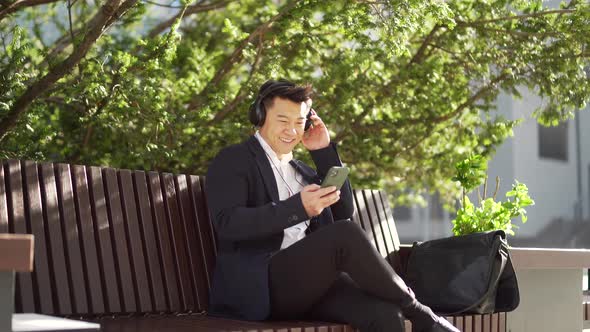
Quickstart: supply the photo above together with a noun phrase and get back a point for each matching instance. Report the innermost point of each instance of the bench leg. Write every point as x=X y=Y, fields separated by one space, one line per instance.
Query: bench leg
x=6 y=300
x=550 y=300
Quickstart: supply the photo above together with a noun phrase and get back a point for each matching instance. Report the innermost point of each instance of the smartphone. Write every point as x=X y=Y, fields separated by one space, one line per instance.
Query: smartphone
x=335 y=177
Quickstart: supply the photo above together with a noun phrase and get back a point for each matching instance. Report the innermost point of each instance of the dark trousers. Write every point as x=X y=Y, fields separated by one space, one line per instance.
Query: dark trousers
x=335 y=274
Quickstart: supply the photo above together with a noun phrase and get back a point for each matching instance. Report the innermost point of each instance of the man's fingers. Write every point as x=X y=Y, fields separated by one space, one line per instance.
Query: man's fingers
x=318 y=190
x=326 y=191
x=316 y=120
x=330 y=199
x=311 y=187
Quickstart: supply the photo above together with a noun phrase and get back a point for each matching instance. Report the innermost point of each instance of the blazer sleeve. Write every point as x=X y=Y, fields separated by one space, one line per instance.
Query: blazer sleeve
x=324 y=159
x=227 y=190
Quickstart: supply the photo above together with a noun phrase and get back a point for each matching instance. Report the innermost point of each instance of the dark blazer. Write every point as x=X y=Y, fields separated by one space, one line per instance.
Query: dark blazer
x=249 y=220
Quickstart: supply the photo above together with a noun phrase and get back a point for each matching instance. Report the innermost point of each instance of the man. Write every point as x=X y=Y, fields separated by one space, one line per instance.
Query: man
x=286 y=249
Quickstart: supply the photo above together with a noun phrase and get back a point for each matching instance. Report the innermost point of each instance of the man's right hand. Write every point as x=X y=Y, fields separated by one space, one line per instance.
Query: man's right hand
x=315 y=198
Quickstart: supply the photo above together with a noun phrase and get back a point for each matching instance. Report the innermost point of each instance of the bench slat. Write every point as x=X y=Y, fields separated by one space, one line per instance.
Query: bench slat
x=96 y=301
x=65 y=198
x=119 y=235
x=390 y=222
x=179 y=241
x=37 y=213
x=468 y=323
x=364 y=219
x=165 y=246
x=17 y=224
x=194 y=243
x=135 y=241
x=502 y=322
x=153 y=261
x=204 y=225
x=459 y=322
x=3 y=203
x=59 y=271
x=487 y=323
x=374 y=220
x=355 y=216
x=383 y=223
x=105 y=242
x=477 y=323
x=495 y=322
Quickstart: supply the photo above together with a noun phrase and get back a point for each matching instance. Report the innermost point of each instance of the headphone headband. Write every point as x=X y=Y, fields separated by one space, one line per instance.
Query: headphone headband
x=257 y=114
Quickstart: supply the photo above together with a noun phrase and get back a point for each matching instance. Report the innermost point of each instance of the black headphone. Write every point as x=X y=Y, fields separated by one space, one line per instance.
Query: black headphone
x=257 y=113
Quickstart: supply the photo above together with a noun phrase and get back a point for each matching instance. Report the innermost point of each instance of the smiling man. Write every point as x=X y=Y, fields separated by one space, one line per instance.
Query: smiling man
x=286 y=246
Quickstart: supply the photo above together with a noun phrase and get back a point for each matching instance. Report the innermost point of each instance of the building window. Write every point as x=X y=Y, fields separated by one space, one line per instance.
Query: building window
x=553 y=142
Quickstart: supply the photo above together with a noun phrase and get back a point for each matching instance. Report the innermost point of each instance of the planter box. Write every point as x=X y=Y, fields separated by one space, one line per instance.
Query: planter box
x=550 y=283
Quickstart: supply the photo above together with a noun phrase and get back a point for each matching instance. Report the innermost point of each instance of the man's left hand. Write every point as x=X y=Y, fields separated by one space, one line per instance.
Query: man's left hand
x=316 y=137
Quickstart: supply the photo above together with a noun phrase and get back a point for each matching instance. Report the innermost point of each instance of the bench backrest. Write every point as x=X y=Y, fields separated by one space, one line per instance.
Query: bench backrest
x=111 y=241
x=108 y=240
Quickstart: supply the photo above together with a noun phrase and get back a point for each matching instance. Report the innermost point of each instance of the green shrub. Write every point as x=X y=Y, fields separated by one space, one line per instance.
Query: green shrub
x=489 y=215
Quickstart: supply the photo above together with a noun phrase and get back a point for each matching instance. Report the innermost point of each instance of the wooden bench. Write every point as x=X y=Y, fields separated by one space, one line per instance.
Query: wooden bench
x=135 y=250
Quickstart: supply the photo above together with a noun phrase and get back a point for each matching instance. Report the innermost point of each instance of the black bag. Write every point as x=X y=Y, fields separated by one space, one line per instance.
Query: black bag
x=469 y=274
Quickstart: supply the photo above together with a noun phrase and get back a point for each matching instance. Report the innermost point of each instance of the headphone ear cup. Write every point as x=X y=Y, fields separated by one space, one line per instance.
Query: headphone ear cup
x=260 y=114
x=256 y=115
x=252 y=114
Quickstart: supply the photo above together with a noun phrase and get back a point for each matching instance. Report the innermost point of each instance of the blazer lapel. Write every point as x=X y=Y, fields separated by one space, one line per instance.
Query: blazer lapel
x=268 y=176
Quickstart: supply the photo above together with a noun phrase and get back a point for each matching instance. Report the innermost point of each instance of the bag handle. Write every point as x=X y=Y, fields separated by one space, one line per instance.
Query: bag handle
x=503 y=251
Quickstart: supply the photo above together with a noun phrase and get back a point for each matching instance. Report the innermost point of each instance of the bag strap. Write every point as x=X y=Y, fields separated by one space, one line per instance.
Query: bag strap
x=509 y=278
x=503 y=251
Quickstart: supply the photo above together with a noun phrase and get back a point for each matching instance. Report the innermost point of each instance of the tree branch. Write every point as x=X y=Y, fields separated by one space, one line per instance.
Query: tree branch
x=516 y=17
x=237 y=54
x=98 y=26
x=70 y=4
x=61 y=102
x=241 y=95
x=521 y=33
x=418 y=57
x=161 y=4
x=65 y=40
x=418 y=142
x=194 y=9
x=122 y=10
x=59 y=45
x=15 y=6
x=482 y=92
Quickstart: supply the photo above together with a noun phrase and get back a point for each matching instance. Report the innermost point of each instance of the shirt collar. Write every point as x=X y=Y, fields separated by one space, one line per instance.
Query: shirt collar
x=271 y=154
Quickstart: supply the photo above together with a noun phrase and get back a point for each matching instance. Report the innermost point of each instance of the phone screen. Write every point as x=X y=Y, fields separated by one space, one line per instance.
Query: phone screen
x=336 y=176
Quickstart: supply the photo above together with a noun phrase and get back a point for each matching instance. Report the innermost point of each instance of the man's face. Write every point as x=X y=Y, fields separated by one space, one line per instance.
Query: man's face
x=284 y=125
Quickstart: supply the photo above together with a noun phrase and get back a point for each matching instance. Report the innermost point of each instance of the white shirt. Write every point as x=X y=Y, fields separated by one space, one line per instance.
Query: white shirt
x=289 y=183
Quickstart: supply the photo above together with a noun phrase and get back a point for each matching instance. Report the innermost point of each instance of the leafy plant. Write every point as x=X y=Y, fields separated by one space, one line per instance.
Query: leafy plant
x=489 y=215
